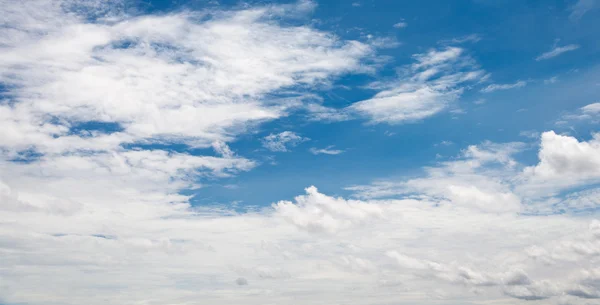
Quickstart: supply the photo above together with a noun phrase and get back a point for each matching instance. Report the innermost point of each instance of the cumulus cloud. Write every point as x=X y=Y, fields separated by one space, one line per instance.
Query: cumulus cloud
x=564 y=162
x=433 y=82
x=316 y=212
x=486 y=177
x=282 y=141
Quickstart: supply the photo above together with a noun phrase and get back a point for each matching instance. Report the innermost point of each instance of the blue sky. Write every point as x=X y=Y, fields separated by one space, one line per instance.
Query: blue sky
x=504 y=46
x=299 y=152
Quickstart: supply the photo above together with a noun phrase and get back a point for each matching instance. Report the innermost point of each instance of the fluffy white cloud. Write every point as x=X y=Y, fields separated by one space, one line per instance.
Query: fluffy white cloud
x=431 y=84
x=564 y=162
x=316 y=212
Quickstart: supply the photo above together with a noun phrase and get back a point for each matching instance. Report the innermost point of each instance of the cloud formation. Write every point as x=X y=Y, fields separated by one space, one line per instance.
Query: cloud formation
x=282 y=141
x=432 y=242
x=430 y=85
x=496 y=87
x=327 y=150
x=95 y=204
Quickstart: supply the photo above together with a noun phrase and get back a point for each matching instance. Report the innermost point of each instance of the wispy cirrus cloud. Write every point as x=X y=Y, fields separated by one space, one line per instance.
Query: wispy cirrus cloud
x=329 y=150
x=429 y=85
x=556 y=51
x=462 y=39
x=496 y=87
x=588 y=113
x=581 y=7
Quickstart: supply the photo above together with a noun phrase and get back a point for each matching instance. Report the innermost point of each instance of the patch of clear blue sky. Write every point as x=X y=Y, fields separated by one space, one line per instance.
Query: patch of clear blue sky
x=513 y=33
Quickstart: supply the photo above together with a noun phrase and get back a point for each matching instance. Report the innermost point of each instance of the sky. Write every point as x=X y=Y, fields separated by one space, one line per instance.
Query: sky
x=363 y=152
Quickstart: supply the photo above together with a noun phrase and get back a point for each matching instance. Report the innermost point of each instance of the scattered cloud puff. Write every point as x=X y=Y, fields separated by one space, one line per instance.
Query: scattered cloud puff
x=282 y=141
x=551 y=80
x=556 y=51
x=318 y=213
x=400 y=25
x=496 y=87
x=329 y=150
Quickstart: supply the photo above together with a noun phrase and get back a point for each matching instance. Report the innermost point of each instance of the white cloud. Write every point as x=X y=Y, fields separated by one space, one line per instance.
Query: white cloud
x=588 y=113
x=433 y=82
x=282 y=141
x=532 y=134
x=581 y=7
x=551 y=80
x=171 y=77
x=400 y=25
x=317 y=112
x=496 y=87
x=154 y=247
x=316 y=212
x=557 y=51
x=473 y=182
x=327 y=151
x=592 y=109
x=564 y=162
x=487 y=178
x=463 y=39
x=89 y=220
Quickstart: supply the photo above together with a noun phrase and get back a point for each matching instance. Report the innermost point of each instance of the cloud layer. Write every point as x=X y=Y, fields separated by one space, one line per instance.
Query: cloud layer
x=93 y=208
